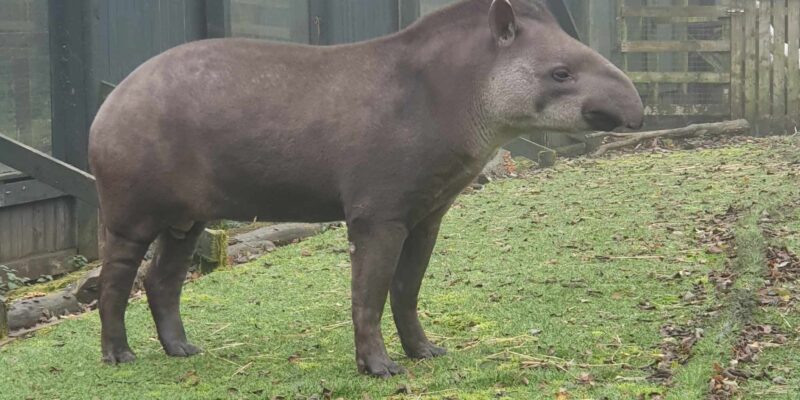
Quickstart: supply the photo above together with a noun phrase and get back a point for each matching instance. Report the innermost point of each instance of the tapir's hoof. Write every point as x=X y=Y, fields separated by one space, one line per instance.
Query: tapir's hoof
x=380 y=368
x=426 y=350
x=181 y=349
x=119 y=357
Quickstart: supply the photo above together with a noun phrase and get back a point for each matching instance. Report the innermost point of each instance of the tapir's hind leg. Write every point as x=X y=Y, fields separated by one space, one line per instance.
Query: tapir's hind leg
x=163 y=284
x=121 y=259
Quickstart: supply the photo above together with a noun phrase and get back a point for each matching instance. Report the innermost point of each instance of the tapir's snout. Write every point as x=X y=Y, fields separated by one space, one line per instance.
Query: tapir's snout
x=614 y=102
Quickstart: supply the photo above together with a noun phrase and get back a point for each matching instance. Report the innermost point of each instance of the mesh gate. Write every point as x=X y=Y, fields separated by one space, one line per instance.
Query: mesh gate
x=678 y=54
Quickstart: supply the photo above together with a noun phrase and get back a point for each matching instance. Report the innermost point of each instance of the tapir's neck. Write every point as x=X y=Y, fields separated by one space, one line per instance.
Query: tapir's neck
x=453 y=61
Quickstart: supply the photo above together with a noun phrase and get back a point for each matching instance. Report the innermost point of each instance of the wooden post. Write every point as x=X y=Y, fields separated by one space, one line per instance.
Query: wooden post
x=738 y=40
x=793 y=72
x=218 y=18
x=72 y=75
x=765 y=68
x=751 y=62
x=3 y=319
x=408 y=12
x=212 y=250
x=779 y=66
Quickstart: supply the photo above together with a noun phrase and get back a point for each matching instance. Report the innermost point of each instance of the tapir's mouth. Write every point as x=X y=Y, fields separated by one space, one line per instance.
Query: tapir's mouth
x=602 y=121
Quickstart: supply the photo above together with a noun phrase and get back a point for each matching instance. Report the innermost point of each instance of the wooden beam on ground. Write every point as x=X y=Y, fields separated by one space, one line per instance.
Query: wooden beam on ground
x=737 y=127
x=53 y=172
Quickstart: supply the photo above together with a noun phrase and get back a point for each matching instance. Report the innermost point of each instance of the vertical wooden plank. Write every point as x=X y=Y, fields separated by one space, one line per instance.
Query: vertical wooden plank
x=779 y=64
x=37 y=227
x=751 y=62
x=684 y=57
x=738 y=40
x=50 y=225
x=18 y=240
x=622 y=31
x=409 y=11
x=564 y=16
x=26 y=233
x=86 y=230
x=318 y=18
x=195 y=25
x=300 y=21
x=73 y=82
x=65 y=237
x=5 y=233
x=765 y=66
x=21 y=89
x=793 y=71
x=218 y=18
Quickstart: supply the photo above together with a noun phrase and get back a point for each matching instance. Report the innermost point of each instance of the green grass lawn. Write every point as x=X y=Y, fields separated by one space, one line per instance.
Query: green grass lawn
x=554 y=285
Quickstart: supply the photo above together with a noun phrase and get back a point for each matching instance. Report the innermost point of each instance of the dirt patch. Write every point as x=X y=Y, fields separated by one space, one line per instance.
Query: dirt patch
x=676 y=348
x=751 y=342
x=783 y=273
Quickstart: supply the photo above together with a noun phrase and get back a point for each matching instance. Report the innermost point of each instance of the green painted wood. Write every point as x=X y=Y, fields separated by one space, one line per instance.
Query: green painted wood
x=26 y=191
x=522 y=147
x=564 y=16
x=51 y=171
x=409 y=12
x=73 y=72
x=347 y=21
x=218 y=18
x=282 y=20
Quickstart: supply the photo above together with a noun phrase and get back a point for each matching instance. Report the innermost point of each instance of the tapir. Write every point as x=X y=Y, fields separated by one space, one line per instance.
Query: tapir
x=382 y=134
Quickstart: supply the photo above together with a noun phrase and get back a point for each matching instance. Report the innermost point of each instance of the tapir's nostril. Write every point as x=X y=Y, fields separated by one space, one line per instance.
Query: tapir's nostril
x=602 y=120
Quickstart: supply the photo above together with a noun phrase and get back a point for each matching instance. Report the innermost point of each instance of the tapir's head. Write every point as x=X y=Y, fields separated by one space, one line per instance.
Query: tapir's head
x=543 y=79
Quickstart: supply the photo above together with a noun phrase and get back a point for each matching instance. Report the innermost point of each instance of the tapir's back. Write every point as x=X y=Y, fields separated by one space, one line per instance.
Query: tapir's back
x=190 y=123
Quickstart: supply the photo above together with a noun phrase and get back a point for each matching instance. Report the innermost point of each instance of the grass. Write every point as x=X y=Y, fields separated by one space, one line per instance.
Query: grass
x=557 y=282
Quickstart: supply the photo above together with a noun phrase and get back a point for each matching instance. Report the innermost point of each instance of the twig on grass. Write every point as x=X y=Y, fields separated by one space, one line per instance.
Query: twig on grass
x=221 y=329
x=241 y=369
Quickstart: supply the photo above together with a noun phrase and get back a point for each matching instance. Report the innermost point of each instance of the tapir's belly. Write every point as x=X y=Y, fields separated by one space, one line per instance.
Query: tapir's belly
x=277 y=203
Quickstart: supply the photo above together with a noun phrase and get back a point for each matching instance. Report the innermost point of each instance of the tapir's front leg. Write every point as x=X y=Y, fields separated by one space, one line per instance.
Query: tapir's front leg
x=406 y=284
x=375 y=247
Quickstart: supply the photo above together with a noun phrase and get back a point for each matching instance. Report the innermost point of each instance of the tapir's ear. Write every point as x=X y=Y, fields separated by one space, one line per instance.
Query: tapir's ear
x=503 y=22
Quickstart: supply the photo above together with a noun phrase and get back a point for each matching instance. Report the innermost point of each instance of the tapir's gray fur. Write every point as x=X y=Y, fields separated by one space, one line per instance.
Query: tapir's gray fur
x=383 y=134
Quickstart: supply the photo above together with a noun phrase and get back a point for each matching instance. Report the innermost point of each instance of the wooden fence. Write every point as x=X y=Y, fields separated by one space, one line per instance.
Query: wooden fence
x=765 y=66
x=714 y=59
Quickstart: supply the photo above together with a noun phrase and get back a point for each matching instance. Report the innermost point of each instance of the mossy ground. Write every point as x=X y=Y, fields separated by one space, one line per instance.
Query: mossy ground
x=558 y=282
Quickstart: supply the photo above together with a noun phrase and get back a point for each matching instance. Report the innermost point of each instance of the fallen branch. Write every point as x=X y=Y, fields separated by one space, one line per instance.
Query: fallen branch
x=738 y=126
x=27 y=313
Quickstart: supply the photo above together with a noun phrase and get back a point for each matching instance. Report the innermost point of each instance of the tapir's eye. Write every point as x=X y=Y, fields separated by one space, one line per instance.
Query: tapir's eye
x=561 y=74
